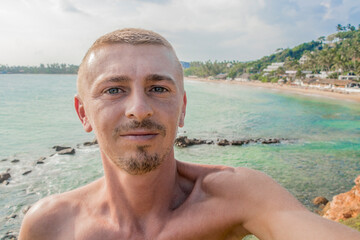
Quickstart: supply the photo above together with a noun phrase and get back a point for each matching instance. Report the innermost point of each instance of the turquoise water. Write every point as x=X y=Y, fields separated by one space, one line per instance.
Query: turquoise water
x=322 y=156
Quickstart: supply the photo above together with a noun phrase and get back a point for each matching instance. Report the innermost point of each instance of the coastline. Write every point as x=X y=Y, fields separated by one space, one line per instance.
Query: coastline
x=352 y=97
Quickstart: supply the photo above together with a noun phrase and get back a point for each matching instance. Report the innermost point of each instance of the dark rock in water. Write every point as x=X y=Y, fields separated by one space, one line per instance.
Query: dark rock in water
x=223 y=142
x=238 y=142
x=270 y=141
x=4 y=177
x=26 y=172
x=12 y=216
x=320 y=200
x=40 y=160
x=60 y=148
x=94 y=142
x=15 y=161
x=209 y=142
x=68 y=151
x=3 y=160
x=183 y=141
x=9 y=236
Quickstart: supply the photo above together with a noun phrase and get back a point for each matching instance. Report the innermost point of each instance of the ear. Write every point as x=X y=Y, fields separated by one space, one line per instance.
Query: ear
x=80 y=110
x=183 y=111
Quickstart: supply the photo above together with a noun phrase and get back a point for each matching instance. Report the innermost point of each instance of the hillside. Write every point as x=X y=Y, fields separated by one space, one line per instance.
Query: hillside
x=338 y=52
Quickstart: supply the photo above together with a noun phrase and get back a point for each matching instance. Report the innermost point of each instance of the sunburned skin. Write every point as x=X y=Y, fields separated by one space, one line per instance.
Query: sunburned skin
x=132 y=97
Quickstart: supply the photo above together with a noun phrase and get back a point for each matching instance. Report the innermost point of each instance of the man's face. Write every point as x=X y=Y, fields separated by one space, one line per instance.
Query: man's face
x=133 y=98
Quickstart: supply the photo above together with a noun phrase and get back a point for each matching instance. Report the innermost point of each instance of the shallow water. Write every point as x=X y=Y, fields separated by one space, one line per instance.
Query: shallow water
x=321 y=157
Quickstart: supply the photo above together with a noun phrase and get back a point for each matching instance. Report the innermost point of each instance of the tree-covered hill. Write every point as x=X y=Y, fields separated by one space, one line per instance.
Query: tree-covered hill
x=54 y=68
x=338 y=52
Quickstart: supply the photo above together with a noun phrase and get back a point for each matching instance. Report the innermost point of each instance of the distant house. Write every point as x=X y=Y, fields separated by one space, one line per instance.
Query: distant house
x=274 y=66
x=322 y=75
x=349 y=76
x=303 y=59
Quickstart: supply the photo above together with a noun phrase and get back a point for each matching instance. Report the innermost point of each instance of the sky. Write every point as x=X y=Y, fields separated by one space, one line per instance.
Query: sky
x=60 y=31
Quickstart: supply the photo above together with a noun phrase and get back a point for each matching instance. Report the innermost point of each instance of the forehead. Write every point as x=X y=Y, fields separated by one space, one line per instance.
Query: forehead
x=133 y=61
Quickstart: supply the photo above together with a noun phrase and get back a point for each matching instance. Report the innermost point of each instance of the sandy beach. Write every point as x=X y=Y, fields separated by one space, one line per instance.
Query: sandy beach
x=353 y=97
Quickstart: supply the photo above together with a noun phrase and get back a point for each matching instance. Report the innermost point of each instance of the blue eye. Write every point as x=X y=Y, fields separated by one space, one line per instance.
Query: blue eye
x=113 y=90
x=159 y=89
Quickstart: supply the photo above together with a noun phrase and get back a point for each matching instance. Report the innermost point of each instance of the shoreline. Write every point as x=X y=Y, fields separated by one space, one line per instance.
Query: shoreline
x=305 y=91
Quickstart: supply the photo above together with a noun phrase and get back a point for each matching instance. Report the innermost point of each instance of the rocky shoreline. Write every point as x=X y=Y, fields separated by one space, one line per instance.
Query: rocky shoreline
x=184 y=141
x=343 y=208
x=181 y=142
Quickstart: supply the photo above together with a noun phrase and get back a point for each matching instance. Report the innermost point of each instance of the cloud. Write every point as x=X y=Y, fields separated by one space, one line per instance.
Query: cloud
x=66 y=6
x=62 y=30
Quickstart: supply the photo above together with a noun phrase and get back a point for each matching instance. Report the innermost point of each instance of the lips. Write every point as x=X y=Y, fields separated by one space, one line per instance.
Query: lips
x=139 y=135
x=136 y=130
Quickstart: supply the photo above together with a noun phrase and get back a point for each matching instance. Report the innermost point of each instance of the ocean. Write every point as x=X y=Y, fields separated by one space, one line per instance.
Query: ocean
x=320 y=156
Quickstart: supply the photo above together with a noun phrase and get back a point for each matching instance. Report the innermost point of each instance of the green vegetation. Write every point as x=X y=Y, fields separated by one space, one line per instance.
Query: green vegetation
x=54 y=68
x=352 y=222
x=337 y=52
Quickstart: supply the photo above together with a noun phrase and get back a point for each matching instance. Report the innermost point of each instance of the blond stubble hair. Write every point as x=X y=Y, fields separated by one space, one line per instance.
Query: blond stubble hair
x=132 y=36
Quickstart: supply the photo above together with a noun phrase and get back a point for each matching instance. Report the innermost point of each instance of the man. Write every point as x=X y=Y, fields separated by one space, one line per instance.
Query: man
x=131 y=94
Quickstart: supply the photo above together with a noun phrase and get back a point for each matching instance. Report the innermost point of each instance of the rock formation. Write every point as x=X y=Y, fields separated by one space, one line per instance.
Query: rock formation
x=345 y=205
x=4 y=177
x=184 y=141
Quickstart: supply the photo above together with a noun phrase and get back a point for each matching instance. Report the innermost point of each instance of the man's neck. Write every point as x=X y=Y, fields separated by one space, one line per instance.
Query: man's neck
x=139 y=197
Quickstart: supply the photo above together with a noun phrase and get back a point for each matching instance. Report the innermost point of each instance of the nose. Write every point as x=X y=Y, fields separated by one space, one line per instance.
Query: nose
x=138 y=106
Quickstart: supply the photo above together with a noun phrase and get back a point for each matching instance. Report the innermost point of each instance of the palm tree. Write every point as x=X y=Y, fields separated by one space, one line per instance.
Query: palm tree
x=340 y=28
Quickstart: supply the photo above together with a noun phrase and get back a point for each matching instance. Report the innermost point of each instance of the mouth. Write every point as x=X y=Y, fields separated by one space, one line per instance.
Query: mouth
x=139 y=136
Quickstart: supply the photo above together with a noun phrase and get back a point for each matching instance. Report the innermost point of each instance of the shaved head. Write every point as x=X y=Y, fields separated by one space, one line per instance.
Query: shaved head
x=132 y=36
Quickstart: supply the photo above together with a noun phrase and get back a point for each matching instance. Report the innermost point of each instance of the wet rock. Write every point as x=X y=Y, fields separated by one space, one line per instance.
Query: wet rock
x=209 y=142
x=94 y=142
x=60 y=148
x=320 y=200
x=345 y=205
x=184 y=141
x=3 y=160
x=15 y=161
x=237 y=142
x=26 y=172
x=4 y=176
x=40 y=160
x=270 y=141
x=223 y=142
x=12 y=216
x=9 y=236
x=67 y=151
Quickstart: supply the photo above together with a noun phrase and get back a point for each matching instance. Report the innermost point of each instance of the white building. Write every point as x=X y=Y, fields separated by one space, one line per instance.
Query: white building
x=274 y=66
x=349 y=77
x=303 y=59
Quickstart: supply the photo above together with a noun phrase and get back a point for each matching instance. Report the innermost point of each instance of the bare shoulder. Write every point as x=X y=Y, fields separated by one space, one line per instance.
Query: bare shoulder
x=249 y=191
x=45 y=217
x=52 y=215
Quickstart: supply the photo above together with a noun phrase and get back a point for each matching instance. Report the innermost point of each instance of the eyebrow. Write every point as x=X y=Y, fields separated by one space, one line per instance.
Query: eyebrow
x=158 y=78
x=118 y=79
